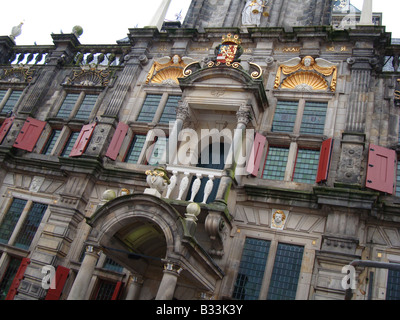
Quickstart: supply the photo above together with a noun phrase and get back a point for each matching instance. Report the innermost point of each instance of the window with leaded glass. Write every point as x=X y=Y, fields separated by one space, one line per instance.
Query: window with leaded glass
x=159 y=153
x=30 y=225
x=313 y=121
x=48 y=148
x=285 y=116
x=275 y=164
x=105 y=290
x=8 y=277
x=68 y=105
x=110 y=264
x=393 y=285
x=306 y=166
x=149 y=108
x=286 y=272
x=70 y=144
x=11 y=101
x=135 y=148
x=10 y=219
x=169 y=113
x=86 y=107
x=251 y=269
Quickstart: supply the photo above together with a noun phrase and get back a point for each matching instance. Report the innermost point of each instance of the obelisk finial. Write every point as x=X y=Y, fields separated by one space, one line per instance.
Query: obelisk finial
x=159 y=15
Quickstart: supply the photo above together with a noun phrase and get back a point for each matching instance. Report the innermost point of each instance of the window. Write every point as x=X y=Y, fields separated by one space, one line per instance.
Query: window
x=285 y=116
x=8 y=100
x=286 y=272
x=29 y=226
x=275 y=164
x=149 y=108
x=48 y=148
x=313 y=121
x=306 y=166
x=393 y=285
x=283 y=276
x=135 y=149
x=169 y=113
x=110 y=264
x=84 y=103
x=251 y=270
x=8 y=277
x=10 y=219
x=159 y=153
x=86 y=107
x=398 y=180
x=70 y=144
x=68 y=105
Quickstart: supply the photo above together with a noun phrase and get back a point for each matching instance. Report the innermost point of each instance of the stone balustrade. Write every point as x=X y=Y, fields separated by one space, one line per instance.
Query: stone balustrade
x=181 y=179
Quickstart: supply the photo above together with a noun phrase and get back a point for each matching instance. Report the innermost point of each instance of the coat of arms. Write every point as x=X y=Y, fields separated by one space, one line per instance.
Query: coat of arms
x=229 y=51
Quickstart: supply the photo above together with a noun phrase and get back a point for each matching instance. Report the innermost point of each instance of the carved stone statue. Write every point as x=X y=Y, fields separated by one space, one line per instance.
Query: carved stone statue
x=252 y=12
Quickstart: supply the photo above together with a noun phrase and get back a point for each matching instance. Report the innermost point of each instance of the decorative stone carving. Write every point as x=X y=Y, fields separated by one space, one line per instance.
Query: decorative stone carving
x=17 y=74
x=243 y=114
x=158 y=181
x=279 y=218
x=214 y=226
x=307 y=71
x=89 y=76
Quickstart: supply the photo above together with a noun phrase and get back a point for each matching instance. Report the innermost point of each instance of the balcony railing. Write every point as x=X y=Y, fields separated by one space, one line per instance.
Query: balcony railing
x=181 y=182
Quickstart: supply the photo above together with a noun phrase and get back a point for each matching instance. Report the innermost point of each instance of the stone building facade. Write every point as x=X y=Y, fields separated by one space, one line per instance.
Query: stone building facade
x=105 y=182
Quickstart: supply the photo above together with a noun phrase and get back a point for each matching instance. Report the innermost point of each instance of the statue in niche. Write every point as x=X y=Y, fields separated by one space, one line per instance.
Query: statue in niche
x=251 y=15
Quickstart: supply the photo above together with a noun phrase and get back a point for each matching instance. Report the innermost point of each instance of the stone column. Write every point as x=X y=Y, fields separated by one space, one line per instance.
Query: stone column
x=81 y=283
x=134 y=288
x=243 y=116
x=182 y=113
x=168 y=283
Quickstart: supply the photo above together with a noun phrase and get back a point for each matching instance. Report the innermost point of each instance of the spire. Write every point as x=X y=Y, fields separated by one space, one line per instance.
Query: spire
x=366 y=14
x=160 y=13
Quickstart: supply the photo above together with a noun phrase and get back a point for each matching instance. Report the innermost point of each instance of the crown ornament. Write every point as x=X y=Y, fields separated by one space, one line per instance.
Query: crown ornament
x=231 y=39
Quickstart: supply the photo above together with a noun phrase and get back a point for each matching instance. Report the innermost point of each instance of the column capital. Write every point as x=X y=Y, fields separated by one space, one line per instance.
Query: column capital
x=182 y=110
x=243 y=114
x=174 y=268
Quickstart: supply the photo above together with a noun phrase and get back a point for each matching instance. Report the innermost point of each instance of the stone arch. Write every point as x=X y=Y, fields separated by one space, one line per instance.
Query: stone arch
x=144 y=225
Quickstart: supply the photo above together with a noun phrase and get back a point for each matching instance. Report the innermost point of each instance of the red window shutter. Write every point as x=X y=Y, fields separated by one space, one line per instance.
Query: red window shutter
x=324 y=160
x=117 y=140
x=61 y=277
x=5 y=127
x=381 y=169
x=17 y=279
x=117 y=290
x=256 y=154
x=82 y=140
x=29 y=135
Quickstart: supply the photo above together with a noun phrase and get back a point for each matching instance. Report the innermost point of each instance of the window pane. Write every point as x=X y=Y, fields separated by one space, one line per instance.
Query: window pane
x=70 y=144
x=275 y=165
x=68 y=105
x=135 y=149
x=11 y=102
x=51 y=142
x=106 y=290
x=251 y=270
x=393 y=285
x=285 y=116
x=286 y=272
x=11 y=218
x=110 y=264
x=306 y=166
x=30 y=225
x=149 y=108
x=8 y=277
x=398 y=179
x=86 y=107
x=314 y=118
x=159 y=154
x=169 y=113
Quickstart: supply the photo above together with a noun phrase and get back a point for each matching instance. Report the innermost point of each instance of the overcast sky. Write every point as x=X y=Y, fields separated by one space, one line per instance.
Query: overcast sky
x=105 y=22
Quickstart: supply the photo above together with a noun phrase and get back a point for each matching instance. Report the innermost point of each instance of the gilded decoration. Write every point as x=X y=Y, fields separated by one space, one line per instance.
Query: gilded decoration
x=306 y=74
x=90 y=76
x=167 y=70
x=16 y=75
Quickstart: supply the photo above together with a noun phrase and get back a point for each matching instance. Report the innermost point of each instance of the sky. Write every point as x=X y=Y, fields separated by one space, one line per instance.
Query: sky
x=105 y=22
